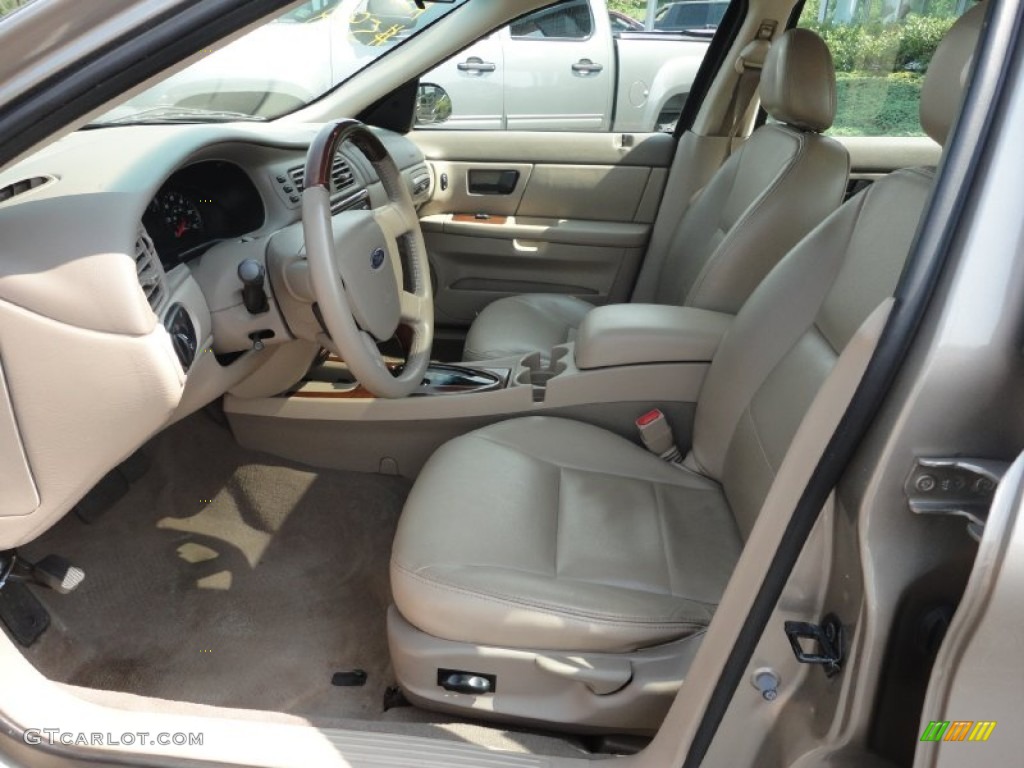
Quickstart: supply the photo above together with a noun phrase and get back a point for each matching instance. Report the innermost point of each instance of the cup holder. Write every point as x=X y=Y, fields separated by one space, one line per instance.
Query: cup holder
x=541 y=378
x=534 y=371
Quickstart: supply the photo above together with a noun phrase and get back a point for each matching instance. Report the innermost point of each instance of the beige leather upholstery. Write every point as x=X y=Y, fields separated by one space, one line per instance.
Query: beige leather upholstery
x=798 y=82
x=547 y=534
x=947 y=74
x=520 y=324
x=781 y=183
x=631 y=334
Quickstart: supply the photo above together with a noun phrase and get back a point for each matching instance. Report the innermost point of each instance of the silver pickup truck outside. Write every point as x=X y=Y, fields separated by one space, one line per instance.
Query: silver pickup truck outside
x=560 y=68
x=564 y=68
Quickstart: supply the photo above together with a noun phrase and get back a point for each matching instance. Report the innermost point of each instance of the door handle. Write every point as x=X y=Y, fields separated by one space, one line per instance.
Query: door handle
x=476 y=64
x=586 y=67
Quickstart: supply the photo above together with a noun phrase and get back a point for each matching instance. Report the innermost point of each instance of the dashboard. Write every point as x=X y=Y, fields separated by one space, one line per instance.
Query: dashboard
x=199 y=206
x=157 y=220
x=120 y=257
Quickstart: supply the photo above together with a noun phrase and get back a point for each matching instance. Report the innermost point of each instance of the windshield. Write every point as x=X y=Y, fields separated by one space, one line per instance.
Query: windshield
x=283 y=65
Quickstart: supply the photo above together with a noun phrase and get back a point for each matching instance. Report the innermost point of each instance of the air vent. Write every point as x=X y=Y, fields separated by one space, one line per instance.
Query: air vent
x=149 y=269
x=20 y=187
x=341 y=176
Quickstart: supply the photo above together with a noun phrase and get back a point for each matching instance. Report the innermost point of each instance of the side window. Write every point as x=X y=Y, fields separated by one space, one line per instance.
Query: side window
x=881 y=54
x=625 y=66
x=570 y=21
x=9 y=6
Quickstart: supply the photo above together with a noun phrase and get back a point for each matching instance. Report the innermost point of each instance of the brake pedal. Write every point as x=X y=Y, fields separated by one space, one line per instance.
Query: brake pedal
x=53 y=572
x=58 y=574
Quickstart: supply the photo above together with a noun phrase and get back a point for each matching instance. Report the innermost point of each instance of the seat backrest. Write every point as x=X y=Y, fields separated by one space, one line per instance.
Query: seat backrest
x=775 y=189
x=787 y=338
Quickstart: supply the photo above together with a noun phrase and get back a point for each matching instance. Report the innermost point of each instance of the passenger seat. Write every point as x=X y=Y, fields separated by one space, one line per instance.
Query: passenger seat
x=783 y=181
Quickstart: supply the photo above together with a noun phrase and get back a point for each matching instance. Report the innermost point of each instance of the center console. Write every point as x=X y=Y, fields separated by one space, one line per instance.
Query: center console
x=624 y=360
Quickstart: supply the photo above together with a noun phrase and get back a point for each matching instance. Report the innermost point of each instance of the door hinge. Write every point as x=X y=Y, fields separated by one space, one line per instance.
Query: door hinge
x=827 y=643
x=959 y=487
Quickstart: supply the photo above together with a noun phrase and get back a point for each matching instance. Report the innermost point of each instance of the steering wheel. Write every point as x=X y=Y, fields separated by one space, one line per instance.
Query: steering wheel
x=356 y=267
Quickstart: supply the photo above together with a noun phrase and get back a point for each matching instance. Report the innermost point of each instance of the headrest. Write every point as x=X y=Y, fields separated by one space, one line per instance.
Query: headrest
x=947 y=74
x=798 y=82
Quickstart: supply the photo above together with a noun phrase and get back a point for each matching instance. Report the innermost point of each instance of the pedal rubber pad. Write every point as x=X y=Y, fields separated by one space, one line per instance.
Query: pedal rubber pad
x=22 y=613
x=352 y=679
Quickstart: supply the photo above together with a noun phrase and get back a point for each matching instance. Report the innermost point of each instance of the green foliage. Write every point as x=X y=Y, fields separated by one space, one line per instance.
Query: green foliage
x=870 y=105
x=635 y=8
x=6 y=6
x=880 y=68
x=883 y=48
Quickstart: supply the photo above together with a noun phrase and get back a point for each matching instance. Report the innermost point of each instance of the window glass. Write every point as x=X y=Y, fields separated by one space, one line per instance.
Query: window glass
x=881 y=52
x=673 y=16
x=284 y=64
x=9 y=6
x=567 y=68
x=564 y=22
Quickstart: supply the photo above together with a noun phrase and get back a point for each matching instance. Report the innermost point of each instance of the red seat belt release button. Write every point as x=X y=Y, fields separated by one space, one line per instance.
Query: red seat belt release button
x=656 y=435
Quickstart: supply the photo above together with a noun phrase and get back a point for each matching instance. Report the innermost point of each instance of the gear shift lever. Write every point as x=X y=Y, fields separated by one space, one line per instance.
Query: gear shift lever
x=254 y=296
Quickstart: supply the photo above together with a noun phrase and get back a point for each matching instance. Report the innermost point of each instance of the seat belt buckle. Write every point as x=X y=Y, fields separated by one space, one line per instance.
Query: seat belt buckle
x=657 y=436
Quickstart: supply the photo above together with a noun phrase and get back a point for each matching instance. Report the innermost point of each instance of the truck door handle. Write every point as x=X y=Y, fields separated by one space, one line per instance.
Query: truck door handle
x=476 y=64
x=586 y=67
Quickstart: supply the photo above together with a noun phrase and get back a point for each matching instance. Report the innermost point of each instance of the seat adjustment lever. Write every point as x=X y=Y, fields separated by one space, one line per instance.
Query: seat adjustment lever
x=600 y=675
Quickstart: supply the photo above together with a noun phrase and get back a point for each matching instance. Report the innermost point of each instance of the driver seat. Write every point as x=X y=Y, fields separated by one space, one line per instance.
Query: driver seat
x=549 y=571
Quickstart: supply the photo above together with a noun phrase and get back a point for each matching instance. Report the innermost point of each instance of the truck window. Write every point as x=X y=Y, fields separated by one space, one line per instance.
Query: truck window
x=570 y=21
x=690 y=16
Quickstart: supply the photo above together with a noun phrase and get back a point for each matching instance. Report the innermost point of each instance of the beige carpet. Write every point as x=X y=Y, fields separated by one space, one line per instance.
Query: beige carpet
x=230 y=578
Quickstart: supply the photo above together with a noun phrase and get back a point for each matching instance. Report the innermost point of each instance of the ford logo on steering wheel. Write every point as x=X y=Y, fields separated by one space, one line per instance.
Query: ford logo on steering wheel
x=377 y=259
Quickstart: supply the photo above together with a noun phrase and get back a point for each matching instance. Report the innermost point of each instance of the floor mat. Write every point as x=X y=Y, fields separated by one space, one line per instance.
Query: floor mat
x=230 y=578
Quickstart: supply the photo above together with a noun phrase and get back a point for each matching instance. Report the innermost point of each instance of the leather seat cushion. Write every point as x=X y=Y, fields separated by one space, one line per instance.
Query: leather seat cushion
x=518 y=325
x=550 y=534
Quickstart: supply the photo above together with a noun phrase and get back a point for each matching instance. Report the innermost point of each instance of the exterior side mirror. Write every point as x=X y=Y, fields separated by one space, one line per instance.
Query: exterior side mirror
x=433 y=105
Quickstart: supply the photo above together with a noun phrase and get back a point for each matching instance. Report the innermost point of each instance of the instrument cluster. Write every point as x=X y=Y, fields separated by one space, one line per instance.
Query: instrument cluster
x=199 y=206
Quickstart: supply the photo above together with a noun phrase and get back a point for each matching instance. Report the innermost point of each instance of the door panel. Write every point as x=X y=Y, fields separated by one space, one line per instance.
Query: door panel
x=600 y=192
x=470 y=272
x=578 y=227
x=871 y=157
x=563 y=72
x=474 y=81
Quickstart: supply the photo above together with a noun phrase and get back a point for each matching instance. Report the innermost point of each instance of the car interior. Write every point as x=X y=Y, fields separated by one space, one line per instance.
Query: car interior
x=415 y=446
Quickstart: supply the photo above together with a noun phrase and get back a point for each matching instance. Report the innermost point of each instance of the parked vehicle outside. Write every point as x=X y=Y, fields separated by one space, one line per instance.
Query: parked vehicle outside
x=283 y=65
x=589 y=66
x=569 y=67
x=691 y=16
x=622 y=22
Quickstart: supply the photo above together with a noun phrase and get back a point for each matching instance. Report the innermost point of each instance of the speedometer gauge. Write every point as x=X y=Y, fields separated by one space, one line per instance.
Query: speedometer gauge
x=180 y=215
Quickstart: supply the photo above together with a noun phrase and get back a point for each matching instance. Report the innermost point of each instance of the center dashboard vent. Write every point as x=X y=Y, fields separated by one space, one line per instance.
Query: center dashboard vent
x=342 y=177
x=149 y=269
